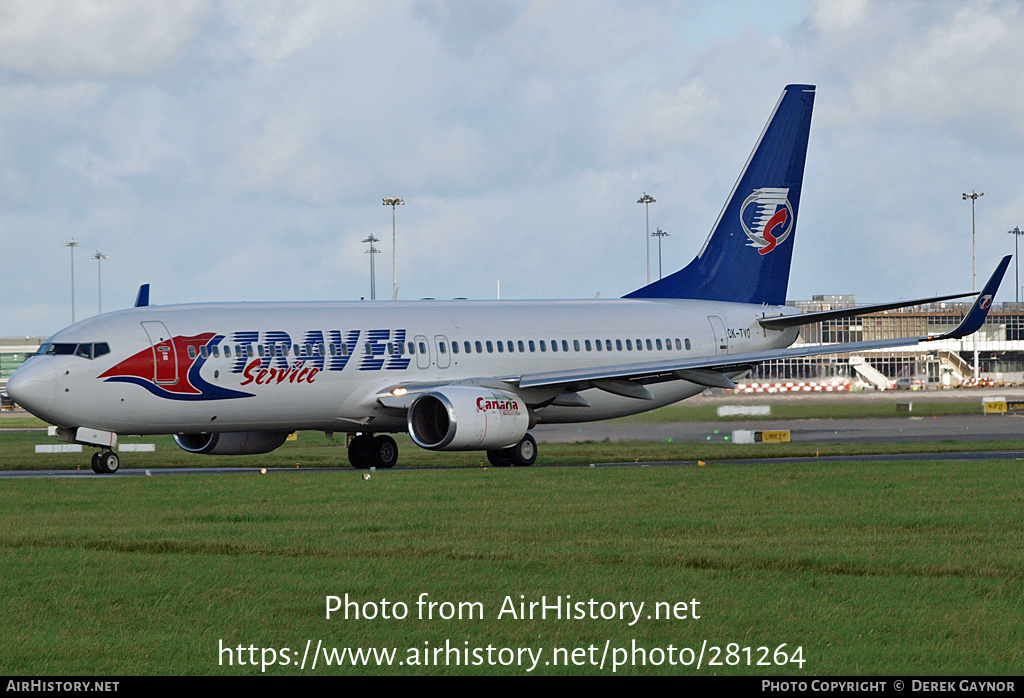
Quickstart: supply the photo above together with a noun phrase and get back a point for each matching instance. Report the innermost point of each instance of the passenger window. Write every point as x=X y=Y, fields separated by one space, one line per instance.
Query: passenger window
x=412 y=349
x=227 y=351
x=455 y=347
x=586 y=343
x=575 y=345
x=532 y=346
x=543 y=346
x=618 y=345
x=608 y=344
x=658 y=342
x=511 y=346
x=204 y=352
x=554 y=345
x=191 y=352
x=441 y=348
x=565 y=345
x=629 y=345
x=215 y=350
x=468 y=347
x=687 y=345
x=501 y=347
x=344 y=349
x=423 y=348
x=650 y=346
x=479 y=348
x=598 y=344
x=490 y=347
x=321 y=349
x=668 y=345
x=679 y=345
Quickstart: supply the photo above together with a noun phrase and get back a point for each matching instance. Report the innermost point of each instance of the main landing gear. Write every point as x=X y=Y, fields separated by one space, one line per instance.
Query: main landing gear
x=367 y=451
x=521 y=455
x=105 y=462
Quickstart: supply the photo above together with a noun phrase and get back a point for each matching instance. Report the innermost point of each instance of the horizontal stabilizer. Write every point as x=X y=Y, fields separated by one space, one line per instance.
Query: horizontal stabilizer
x=784 y=321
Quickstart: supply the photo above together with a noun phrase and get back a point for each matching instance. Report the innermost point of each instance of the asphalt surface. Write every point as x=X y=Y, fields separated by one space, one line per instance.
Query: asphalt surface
x=880 y=430
x=156 y=472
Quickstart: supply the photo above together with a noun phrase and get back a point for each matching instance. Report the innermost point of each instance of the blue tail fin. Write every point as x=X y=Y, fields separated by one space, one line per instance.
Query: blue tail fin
x=747 y=256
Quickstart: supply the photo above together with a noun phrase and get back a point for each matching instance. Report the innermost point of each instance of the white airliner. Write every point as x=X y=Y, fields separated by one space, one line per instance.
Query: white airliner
x=237 y=378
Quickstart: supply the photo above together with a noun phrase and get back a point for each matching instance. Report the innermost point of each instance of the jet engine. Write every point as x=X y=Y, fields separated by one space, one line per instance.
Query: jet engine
x=467 y=418
x=231 y=443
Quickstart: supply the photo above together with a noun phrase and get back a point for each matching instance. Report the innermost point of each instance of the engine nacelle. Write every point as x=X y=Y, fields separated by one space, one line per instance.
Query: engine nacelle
x=466 y=418
x=231 y=443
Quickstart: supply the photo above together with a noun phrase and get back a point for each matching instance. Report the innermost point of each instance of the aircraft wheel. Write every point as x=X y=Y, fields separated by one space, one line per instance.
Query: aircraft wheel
x=108 y=462
x=500 y=458
x=96 y=463
x=524 y=453
x=385 y=452
x=360 y=451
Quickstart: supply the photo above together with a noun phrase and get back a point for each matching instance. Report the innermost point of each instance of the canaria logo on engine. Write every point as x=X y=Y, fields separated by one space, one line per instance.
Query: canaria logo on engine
x=767 y=218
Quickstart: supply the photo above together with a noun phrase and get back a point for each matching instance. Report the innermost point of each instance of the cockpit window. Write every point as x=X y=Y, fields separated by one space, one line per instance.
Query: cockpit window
x=84 y=350
x=58 y=349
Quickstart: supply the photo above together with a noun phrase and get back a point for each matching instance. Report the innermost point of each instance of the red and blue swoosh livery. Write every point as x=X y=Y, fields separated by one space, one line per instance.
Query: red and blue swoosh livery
x=167 y=371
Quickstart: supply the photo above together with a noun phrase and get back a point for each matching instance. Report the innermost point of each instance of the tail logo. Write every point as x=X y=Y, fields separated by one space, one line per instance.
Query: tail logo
x=986 y=302
x=767 y=218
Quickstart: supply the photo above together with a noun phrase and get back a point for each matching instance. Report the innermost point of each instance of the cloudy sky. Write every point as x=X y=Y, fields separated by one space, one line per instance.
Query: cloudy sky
x=240 y=150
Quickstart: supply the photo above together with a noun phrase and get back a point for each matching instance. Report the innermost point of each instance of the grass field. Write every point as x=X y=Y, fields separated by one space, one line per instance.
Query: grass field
x=870 y=568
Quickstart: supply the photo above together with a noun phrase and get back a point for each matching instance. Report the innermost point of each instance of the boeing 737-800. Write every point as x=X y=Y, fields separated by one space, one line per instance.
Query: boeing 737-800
x=237 y=378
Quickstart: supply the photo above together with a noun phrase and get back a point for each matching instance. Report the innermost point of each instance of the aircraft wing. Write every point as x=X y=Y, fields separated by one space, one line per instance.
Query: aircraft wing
x=711 y=370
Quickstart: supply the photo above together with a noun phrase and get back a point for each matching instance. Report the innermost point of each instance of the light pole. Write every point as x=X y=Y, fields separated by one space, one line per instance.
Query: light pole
x=1016 y=232
x=393 y=202
x=99 y=257
x=72 y=244
x=647 y=200
x=373 y=275
x=659 y=233
x=973 y=196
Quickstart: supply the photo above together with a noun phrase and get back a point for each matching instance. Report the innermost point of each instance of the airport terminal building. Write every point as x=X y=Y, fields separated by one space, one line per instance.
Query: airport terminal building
x=999 y=343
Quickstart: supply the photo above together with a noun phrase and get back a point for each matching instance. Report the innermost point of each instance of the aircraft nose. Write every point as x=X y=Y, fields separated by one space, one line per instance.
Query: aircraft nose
x=34 y=385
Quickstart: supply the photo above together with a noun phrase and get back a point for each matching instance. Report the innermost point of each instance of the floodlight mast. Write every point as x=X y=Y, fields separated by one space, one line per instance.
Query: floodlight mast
x=659 y=233
x=647 y=200
x=393 y=202
x=99 y=257
x=373 y=274
x=973 y=196
x=72 y=244
x=1016 y=233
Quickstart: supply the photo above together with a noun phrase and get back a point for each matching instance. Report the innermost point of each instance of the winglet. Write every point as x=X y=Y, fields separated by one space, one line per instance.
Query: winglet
x=975 y=317
x=142 y=299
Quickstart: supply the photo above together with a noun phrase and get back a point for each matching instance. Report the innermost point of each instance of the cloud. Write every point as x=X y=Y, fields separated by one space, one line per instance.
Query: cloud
x=53 y=38
x=233 y=150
